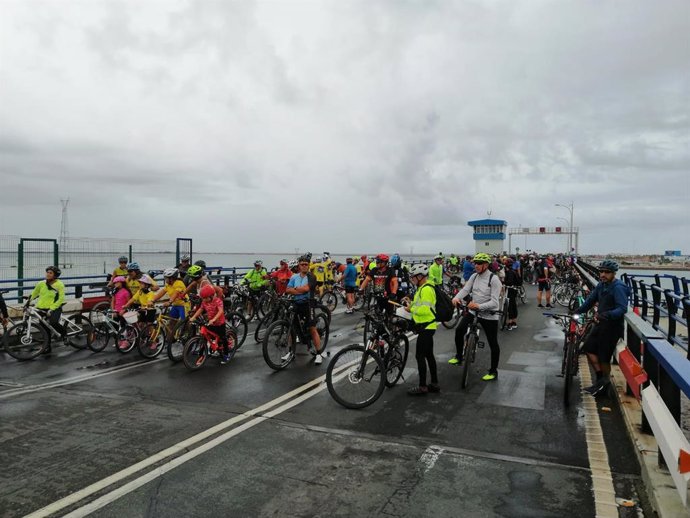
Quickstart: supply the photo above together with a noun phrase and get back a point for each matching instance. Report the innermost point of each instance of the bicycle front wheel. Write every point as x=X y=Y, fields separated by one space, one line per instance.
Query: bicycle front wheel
x=151 y=341
x=195 y=353
x=102 y=335
x=25 y=341
x=569 y=371
x=278 y=347
x=239 y=323
x=80 y=331
x=329 y=300
x=181 y=334
x=468 y=358
x=355 y=377
x=323 y=329
x=396 y=358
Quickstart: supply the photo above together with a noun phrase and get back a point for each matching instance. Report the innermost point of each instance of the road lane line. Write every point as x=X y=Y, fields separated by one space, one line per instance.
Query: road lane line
x=75 y=379
x=177 y=448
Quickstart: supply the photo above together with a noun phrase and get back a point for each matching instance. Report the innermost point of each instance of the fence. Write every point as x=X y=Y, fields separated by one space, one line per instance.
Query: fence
x=655 y=370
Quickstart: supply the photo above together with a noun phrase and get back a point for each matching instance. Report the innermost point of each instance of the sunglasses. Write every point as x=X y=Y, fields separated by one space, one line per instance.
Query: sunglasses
x=605 y=271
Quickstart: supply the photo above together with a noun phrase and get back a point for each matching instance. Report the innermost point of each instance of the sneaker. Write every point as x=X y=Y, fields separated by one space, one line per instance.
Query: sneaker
x=490 y=376
x=549 y=306
x=225 y=359
x=433 y=387
x=540 y=306
x=514 y=326
x=318 y=359
x=600 y=389
x=592 y=388
x=418 y=391
x=454 y=361
x=286 y=357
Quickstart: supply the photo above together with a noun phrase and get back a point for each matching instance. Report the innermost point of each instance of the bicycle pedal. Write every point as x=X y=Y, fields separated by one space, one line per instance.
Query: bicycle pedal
x=481 y=345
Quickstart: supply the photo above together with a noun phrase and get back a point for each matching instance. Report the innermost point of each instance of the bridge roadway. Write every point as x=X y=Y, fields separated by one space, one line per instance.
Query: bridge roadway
x=507 y=448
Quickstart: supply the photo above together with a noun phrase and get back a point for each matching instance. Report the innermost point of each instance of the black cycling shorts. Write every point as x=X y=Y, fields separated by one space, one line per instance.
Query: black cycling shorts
x=544 y=286
x=306 y=313
x=603 y=338
x=350 y=289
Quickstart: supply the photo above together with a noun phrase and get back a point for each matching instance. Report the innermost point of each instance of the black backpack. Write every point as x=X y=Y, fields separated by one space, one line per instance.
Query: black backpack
x=443 y=312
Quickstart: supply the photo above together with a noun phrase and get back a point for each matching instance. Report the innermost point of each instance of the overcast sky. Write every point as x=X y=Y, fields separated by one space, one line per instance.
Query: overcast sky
x=347 y=125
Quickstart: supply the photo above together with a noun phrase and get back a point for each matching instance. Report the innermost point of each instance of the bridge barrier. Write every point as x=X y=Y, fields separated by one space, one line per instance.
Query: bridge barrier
x=655 y=370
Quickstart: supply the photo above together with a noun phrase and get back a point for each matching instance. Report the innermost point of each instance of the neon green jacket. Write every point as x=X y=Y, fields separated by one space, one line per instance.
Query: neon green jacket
x=423 y=305
x=49 y=296
x=436 y=274
x=255 y=279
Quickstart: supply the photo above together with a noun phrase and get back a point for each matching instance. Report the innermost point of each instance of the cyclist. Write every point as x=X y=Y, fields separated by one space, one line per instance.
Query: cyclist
x=436 y=271
x=176 y=291
x=485 y=289
x=51 y=297
x=184 y=265
x=385 y=284
x=422 y=308
x=611 y=295
x=256 y=280
x=542 y=273
x=120 y=296
x=120 y=270
x=511 y=282
x=134 y=275
x=302 y=286
x=212 y=305
x=143 y=298
x=350 y=284
x=402 y=275
x=4 y=315
x=281 y=276
x=318 y=270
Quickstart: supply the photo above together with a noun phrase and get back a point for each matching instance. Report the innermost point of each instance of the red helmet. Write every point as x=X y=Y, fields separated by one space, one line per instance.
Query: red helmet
x=382 y=257
x=207 y=291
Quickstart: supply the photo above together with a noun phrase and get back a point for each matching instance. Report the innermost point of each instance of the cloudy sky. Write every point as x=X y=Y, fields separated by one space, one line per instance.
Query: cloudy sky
x=347 y=125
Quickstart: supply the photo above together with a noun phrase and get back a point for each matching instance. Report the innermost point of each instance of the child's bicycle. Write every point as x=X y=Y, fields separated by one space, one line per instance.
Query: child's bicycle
x=109 y=329
x=205 y=344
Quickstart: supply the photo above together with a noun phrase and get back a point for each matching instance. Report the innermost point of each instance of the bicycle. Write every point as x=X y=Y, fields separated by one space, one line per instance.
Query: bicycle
x=522 y=294
x=358 y=374
x=569 y=364
x=335 y=291
x=32 y=335
x=471 y=342
x=153 y=336
x=280 y=340
x=207 y=343
x=107 y=327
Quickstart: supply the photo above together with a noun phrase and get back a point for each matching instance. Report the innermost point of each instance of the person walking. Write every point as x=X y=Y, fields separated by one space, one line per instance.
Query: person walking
x=423 y=308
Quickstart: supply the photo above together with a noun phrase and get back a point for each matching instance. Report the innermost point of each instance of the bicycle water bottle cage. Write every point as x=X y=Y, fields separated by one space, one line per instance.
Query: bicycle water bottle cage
x=480 y=345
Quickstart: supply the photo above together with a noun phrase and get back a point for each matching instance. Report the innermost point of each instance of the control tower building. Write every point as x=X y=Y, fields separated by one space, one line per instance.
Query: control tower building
x=489 y=235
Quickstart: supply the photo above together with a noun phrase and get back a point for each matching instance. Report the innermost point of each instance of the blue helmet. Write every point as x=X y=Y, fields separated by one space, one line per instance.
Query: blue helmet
x=395 y=261
x=608 y=264
x=133 y=266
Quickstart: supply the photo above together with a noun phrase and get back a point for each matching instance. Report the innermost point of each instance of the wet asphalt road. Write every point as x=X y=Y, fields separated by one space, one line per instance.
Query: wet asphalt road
x=507 y=448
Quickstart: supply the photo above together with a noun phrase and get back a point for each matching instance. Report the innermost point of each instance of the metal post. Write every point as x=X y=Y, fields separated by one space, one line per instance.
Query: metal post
x=672 y=309
x=130 y=253
x=56 y=254
x=20 y=270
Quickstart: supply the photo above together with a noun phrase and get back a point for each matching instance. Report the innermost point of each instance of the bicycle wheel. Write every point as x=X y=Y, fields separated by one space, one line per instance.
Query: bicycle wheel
x=102 y=335
x=261 y=327
x=151 y=341
x=101 y=307
x=323 y=329
x=265 y=304
x=239 y=323
x=181 y=334
x=359 y=301
x=354 y=377
x=80 y=332
x=468 y=358
x=522 y=294
x=195 y=353
x=25 y=341
x=127 y=339
x=504 y=313
x=278 y=346
x=329 y=300
x=396 y=358
x=450 y=324
x=570 y=358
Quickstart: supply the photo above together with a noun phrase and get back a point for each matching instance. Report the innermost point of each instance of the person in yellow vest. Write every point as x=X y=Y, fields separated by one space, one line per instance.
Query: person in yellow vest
x=423 y=308
x=436 y=271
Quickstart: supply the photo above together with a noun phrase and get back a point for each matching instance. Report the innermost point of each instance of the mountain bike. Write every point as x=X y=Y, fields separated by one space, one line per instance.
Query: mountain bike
x=207 y=344
x=281 y=338
x=358 y=374
x=33 y=335
x=334 y=291
x=471 y=342
x=108 y=327
x=569 y=364
x=522 y=294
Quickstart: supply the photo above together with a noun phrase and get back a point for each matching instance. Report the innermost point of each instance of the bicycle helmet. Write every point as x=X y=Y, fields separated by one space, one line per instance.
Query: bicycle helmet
x=123 y=259
x=438 y=256
x=382 y=258
x=195 y=271
x=481 y=257
x=119 y=278
x=608 y=264
x=185 y=257
x=200 y=263
x=145 y=279
x=258 y=262
x=308 y=255
x=325 y=257
x=283 y=261
x=395 y=261
x=170 y=272
x=292 y=264
x=133 y=267
x=56 y=271
x=419 y=269
x=207 y=291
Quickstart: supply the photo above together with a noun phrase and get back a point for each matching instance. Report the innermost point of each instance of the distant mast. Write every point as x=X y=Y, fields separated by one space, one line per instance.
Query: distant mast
x=64 y=227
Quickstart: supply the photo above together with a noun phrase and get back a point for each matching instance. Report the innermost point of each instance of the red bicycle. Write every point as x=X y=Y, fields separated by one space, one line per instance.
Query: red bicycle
x=205 y=344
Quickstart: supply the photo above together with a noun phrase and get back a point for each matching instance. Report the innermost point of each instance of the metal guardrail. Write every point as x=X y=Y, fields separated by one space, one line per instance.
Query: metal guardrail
x=667 y=369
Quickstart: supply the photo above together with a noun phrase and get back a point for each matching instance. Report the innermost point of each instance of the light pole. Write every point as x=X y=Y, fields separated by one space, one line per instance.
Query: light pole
x=571 y=209
x=567 y=240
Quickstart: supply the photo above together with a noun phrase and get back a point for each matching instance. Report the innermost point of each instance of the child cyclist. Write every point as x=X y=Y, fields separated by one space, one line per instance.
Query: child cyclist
x=212 y=305
x=175 y=289
x=120 y=297
x=144 y=299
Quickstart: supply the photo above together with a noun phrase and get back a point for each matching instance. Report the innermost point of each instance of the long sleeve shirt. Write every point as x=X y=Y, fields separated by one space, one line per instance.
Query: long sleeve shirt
x=255 y=278
x=485 y=290
x=612 y=298
x=50 y=296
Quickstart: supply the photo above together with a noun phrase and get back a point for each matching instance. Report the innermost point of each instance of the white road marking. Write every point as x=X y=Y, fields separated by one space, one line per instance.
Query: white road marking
x=429 y=457
x=602 y=482
x=75 y=379
x=180 y=447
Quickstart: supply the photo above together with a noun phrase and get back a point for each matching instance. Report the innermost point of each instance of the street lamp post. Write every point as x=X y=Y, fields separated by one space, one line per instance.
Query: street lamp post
x=571 y=209
x=568 y=239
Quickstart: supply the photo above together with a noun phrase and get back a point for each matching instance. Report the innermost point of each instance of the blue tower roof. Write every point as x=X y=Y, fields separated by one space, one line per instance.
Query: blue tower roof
x=478 y=222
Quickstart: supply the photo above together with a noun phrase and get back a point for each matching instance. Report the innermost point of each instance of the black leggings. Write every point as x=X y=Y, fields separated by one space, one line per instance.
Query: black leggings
x=490 y=329
x=54 y=321
x=425 y=354
x=223 y=337
x=511 y=293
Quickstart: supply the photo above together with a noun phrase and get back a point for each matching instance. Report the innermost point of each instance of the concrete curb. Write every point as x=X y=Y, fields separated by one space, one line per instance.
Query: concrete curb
x=658 y=482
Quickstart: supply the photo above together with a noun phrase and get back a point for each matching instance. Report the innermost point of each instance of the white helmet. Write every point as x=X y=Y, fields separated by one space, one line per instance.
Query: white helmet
x=292 y=264
x=419 y=269
x=170 y=272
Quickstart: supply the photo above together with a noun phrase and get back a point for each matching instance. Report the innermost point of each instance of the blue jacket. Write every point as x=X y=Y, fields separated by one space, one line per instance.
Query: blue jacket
x=612 y=298
x=467 y=269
